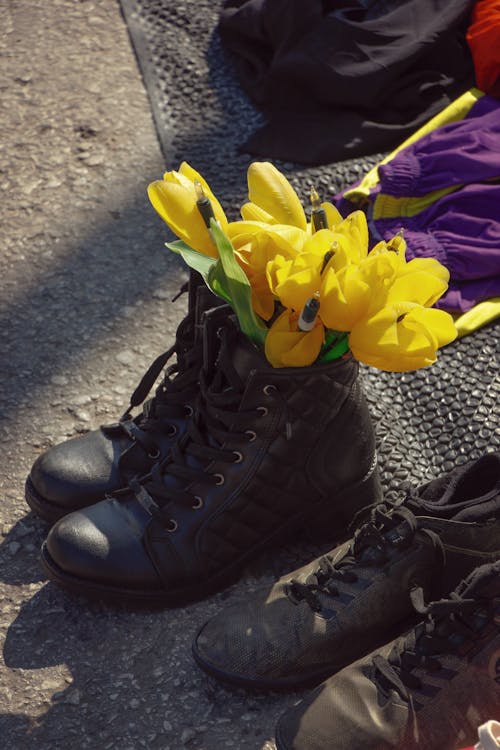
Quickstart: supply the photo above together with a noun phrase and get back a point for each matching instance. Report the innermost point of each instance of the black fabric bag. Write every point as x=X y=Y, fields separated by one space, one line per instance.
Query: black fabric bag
x=348 y=78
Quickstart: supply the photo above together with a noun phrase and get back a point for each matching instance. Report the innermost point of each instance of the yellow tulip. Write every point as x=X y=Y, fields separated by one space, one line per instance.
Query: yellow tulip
x=346 y=291
x=419 y=287
x=294 y=281
x=174 y=198
x=427 y=265
x=286 y=346
x=396 y=245
x=271 y=192
x=333 y=215
x=284 y=236
x=355 y=229
x=252 y=212
x=252 y=258
x=262 y=297
x=401 y=337
x=345 y=298
x=254 y=248
x=425 y=279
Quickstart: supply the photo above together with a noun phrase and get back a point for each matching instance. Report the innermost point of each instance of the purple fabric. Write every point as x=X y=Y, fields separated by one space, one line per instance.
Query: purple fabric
x=457 y=154
x=461 y=229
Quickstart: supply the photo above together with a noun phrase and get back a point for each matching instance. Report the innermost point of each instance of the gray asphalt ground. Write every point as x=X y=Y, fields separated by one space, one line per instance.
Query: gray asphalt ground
x=85 y=290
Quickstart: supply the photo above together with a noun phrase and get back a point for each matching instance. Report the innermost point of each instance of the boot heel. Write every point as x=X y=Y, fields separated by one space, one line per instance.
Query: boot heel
x=335 y=514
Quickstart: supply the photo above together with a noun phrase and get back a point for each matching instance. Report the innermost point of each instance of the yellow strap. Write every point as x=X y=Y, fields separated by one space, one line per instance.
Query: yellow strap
x=479 y=315
x=454 y=112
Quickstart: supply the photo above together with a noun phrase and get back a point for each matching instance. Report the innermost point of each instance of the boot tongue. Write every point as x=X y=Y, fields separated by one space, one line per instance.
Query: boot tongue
x=213 y=322
x=246 y=357
x=468 y=493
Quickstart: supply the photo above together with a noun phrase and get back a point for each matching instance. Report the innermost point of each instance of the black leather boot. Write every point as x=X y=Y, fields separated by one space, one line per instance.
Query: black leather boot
x=268 y=451
x=82 y=470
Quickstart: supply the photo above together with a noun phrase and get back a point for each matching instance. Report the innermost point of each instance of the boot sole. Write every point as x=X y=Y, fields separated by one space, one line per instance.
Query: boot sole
x=368 y=487
x=43 y=508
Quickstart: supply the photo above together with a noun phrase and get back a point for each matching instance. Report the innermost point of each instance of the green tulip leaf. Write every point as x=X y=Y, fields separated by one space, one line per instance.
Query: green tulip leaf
x=217 y=281
x=209 y=268
x=238 y=287
x=194 y=259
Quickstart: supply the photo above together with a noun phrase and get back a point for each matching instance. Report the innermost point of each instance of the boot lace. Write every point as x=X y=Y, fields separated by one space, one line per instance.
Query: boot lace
x=448 y=625
x=217 y=422
x=172 y=398
x=389 y=528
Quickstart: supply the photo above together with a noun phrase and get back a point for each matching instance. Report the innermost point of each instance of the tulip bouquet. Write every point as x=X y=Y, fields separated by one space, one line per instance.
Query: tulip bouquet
x=307 y=291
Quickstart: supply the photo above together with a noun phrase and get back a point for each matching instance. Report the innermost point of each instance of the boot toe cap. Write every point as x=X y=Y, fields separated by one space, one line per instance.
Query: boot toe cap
x=77 y=472
x=103 y=545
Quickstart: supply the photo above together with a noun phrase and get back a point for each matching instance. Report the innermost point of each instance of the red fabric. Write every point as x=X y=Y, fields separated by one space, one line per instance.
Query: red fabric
x=483 y=37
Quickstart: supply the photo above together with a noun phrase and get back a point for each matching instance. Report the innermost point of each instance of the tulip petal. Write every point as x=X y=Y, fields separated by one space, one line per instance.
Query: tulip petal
x=177 y=207
x=284 y=235
x=438 y=322
x=419 y=287
x=287 y=347
x=192 y=175
x=333 y=215
x=430 y=266
x=297 y=288
x=401 y=337
x=355 y=229
x=271 y=191
x=344 y=298
x=174 y=198
x=251 y=212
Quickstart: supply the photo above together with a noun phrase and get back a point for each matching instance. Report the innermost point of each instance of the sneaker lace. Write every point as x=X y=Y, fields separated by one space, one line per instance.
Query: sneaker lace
x=389 y=528
x=217 y=422
x=448 y=624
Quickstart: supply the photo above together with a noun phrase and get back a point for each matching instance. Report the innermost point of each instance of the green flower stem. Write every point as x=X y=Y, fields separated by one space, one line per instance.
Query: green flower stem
x=336 y=344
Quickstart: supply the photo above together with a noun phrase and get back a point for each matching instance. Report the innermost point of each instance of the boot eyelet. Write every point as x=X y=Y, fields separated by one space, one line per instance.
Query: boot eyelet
x=263 y=410
x=269 y=389
x=172 y=430
x=171 y=526
x=219 y=479
x=189 y=410
x=198 y=503
x=238 y=457
x=251 y=435
x=153 y=455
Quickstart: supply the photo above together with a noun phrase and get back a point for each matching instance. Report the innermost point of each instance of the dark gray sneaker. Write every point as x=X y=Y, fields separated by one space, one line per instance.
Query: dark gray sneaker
x=427 y=691
x=326 y=615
